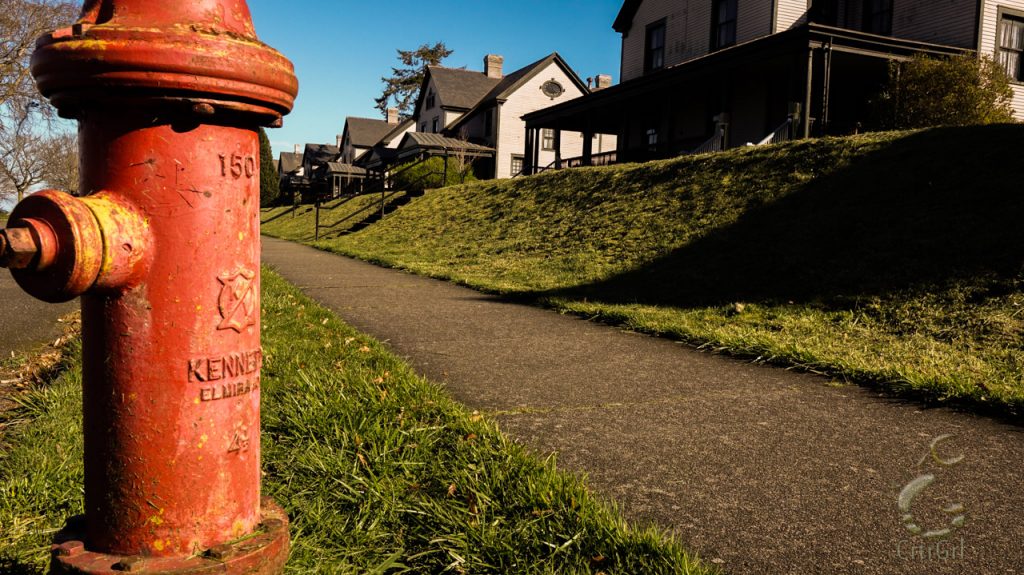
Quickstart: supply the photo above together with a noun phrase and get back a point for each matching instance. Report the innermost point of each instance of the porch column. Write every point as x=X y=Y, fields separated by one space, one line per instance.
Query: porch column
x=558 y=149
x=527 y=153
x=588 y=148
x=809 y=93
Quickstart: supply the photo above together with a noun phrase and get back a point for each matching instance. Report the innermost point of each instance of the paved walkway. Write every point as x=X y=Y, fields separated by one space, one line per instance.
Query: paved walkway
x=24 y=320
x=759 y=469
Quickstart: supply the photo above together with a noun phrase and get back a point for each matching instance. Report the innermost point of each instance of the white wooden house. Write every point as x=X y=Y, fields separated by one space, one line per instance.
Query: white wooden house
x=707 y=74
x=486 y=108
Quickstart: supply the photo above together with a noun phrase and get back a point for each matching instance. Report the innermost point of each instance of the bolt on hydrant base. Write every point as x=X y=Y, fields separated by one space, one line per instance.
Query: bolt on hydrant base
x=263 y=551
x=163 y=248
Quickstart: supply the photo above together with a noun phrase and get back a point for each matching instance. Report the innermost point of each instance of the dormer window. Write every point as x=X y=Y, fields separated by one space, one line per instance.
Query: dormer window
x=654 y=54
x=723 y=24
x=878 y=17
x=431 y=101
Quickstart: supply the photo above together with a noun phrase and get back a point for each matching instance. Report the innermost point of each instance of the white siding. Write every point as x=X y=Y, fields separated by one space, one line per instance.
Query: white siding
x=753 y=20
x=990 y=23
x=427 y=114
x=397 y=138
x=687 y=33
x=450 y=118
x=950 y=22
x=511 y=137
x=790 y=14
x=688 y=30
x=529 y=98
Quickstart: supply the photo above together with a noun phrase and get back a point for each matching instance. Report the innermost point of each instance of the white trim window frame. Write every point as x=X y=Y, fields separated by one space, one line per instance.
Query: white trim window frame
x=1010 y=44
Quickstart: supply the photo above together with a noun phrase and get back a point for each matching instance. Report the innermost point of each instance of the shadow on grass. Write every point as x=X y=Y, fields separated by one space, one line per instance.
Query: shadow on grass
x=917 y=212
x=13 y=567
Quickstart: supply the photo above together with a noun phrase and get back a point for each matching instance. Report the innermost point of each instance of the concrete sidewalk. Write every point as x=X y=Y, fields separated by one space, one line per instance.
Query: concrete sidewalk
x=759 y=469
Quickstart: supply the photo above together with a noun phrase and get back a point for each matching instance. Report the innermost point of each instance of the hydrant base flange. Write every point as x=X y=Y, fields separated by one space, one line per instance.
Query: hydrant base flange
x=262 y=553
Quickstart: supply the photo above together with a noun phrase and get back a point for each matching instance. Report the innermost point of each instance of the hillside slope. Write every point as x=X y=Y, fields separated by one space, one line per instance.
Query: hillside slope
x=893 y=259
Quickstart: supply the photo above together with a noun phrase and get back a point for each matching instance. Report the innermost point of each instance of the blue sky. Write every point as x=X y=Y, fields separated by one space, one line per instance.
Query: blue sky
x=341 y=48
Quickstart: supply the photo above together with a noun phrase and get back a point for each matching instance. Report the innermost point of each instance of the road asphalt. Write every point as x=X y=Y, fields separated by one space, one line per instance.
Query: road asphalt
x=758 y=469
x=24 y=320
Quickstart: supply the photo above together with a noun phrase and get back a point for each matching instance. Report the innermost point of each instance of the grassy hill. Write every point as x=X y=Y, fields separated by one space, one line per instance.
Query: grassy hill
x=890 y=259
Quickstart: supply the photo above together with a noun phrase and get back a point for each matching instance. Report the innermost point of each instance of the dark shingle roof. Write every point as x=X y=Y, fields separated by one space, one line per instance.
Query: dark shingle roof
x=289 y=162
x=367 y=132
x=624 y=21
x=321 y=153
x=509 y=84
x=339 y=168
x=460 y=88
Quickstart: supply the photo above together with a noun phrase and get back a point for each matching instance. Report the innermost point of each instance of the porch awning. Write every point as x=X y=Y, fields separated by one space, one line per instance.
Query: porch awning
x=601 y=111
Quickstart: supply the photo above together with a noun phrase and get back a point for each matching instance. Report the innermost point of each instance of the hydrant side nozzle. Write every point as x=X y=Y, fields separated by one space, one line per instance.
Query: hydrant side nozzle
x=61 y=247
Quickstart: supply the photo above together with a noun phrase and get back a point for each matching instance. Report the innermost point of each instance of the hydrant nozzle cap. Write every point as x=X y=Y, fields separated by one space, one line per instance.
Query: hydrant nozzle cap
x=141 y=51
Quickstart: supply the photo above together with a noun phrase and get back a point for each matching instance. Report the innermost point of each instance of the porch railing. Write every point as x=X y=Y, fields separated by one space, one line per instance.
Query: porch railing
x=783 y=133
x=715 y=144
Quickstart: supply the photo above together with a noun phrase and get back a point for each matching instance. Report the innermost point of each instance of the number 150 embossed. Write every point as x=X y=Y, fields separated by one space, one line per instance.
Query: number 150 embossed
x=237 y=165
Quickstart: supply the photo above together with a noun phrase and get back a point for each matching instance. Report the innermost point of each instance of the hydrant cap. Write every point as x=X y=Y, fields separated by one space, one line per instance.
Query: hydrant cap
x=197 y=52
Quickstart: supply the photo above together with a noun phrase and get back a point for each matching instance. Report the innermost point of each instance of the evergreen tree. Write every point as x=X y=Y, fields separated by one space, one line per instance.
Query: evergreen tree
x=403 y=86
x=269 y=183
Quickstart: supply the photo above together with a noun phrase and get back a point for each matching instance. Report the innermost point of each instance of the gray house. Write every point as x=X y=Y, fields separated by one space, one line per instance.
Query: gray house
x=702 y=75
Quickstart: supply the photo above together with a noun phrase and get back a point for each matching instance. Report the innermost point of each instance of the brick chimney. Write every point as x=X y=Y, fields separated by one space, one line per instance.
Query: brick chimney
x=298 y=148
x=602 y=81
x=338 y=139
x=393 y=116
x=492 y=66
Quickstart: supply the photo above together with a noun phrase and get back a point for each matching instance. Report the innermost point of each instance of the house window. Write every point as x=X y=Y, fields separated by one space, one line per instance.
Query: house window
x=878 y=17
x=488 y=123
x=654 y=54
x=652 y=137
x=423 y=127
x=517 y=165
x=723 y=25
x=430 y=100
x=434 y=125
x=547 y=139
x=1011 y=46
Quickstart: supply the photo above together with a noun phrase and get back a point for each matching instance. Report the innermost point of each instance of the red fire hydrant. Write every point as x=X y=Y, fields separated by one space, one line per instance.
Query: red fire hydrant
x=164 y=249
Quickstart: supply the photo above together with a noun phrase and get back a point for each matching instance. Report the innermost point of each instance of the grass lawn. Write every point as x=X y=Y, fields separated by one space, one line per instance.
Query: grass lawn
x=890 y=259
x=379 y=470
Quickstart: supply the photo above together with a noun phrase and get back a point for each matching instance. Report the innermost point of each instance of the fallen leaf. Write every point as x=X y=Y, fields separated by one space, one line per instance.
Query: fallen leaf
x=451 y=490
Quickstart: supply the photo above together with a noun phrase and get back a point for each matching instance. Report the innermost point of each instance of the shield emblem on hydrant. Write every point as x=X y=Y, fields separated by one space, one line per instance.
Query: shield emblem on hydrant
x=237 y=301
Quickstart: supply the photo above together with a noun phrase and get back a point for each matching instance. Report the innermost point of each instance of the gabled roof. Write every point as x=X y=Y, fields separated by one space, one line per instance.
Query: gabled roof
x=320 y=153
x=289 y=162
x=399 y=129
x=624 y=21
x=509 y=84
x=366 y=132
x=457 y=88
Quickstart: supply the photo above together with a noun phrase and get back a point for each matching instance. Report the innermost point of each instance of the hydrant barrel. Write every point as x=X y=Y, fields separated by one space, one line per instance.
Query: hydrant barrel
x=163 y=248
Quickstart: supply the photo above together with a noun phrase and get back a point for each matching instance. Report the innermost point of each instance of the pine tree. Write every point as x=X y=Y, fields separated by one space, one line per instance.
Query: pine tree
x=269 y=182
x=403 y=86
